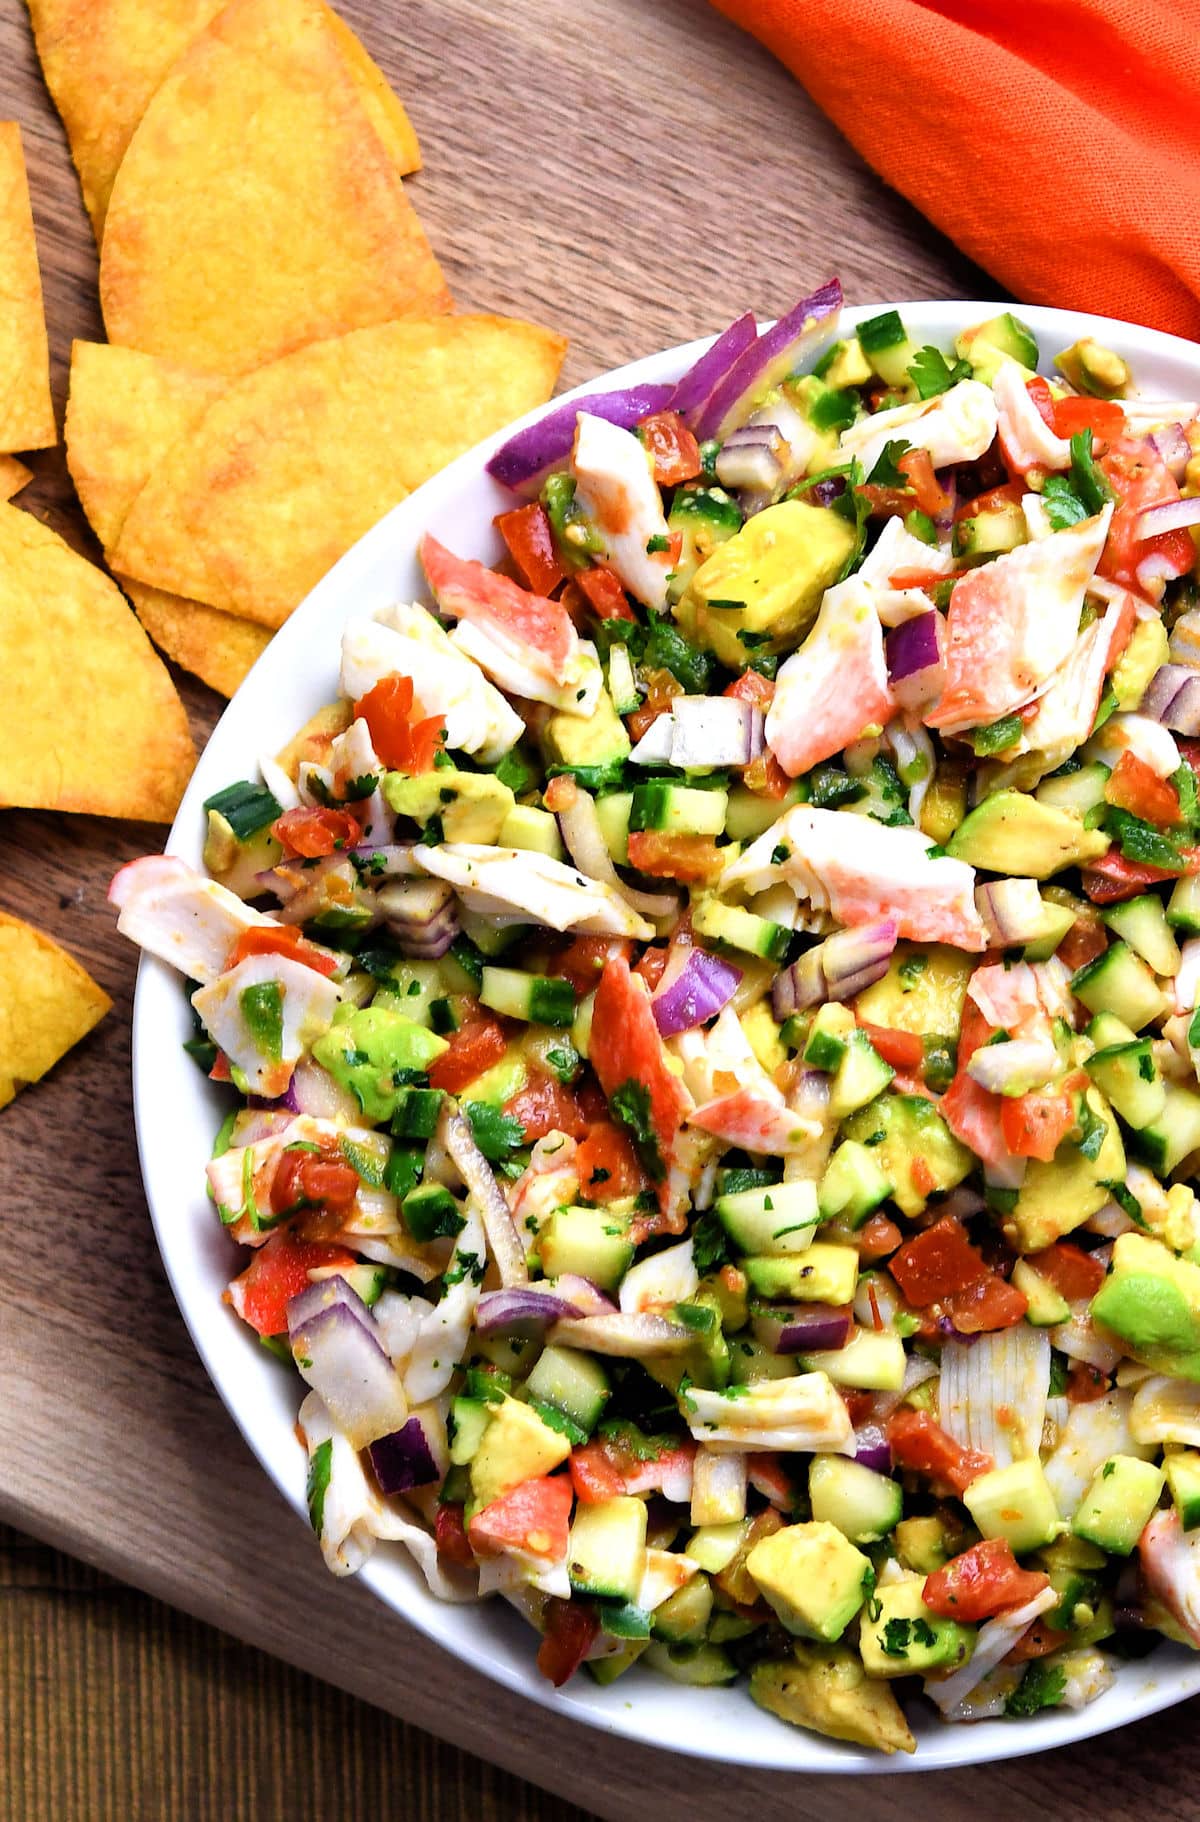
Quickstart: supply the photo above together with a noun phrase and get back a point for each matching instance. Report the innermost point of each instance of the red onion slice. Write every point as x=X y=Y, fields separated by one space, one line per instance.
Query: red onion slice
x=700 y=381
x=350 y=1373
x=626 y=1337
x=524 y=461
x=327 y=1294
x=588 y=1298
x=752 y=457
x=694 y=988
x=524 y=1311
x=1172 y=698
x=915 y=659
x=1011 y=909
x=404 y=1459
x=504 y=1241
x=1174 y=448
x=843 y=965
x=804 y=332
x=1175 y=515
x=872 y=1449
x=802 y=1328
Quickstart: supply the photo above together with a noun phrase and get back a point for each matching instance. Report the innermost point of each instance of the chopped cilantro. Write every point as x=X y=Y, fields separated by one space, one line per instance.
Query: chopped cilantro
x=466 y=1265
x=496 y=1133
x=668 y=650
x=710 y=1244
x=319 y=1469
x=885 y=472
x=657 y=543
x=1086 y=478
x=631 y=1104
x=1092 y=1130
x=931 y=373
x=1060 y=1368
x=1063 y=506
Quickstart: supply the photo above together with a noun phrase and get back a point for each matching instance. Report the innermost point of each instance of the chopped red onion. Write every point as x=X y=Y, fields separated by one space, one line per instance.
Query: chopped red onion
x=327 y=1294
x=588 y=1298
x=1172 y=698
x=585 y=843
x=622 y=1336
x=915 y=659
x=344 y=1363
x=700 y=381
x=803 y=333
x=752 y=457
x=504 y=1241
x=693 y=989
x=1011 y=909
x=528 y=1310
x=872 y=1449
x=711 y=731
x=404 y=1459
x=1174 y=448
x=802 y=1328
x=321 y=1096
x=524 y=461
x=1175 y=515
x=836 y=969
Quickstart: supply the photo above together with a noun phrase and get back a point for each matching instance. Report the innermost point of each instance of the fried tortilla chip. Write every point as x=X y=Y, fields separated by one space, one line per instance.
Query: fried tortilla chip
x=47 y=1003
x=292 y=464
x=91 y=719
x=257 y=208
x=13 y=476
x=104 y=61
x=218 y=648
x=26 y=411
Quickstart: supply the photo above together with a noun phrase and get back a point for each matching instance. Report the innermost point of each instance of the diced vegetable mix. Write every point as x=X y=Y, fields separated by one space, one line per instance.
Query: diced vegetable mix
x=713 y=1012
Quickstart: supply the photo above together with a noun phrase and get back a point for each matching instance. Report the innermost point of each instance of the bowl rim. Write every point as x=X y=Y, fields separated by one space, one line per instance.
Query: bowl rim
x=163 y=1076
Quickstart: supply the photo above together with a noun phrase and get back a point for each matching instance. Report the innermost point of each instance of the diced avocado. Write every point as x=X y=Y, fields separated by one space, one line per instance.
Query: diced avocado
x=1013 y=833
x=761 y=1032
x=864 y=1506
x=1142 y=923
x=861 y=1075
x=1183 y=1478
x=900 y=1129
x=945 y=803
x=369 y=1049
x=1015 y=1503
x=1117 y=1505
x=854 y=1184
x=704 y=517
x=983 y=535
x=1090 y=367
x=472 y=806
x=594 y=749
x=698 y=1666
x=1001 y=338
x=1120 y=982
x=607 y=1551
x=571 y=1383
x=499 y=1083
x=1147 y=651
x=1175 y=1134
x=1080 y=791
x=771 y=1221
x=901 y=1636
x=845 y=364
x=683 y=1617
x=767 y=582
x=820 y=1274
x=1056 y=920
x=1151 y=1302
x=1054 y=1198
x=516 y=1446
x=885 y=343
x=1129 y=1077
x=869 y=1362
x=532 y=829
x=236 y=860
x=812 y=1576
x=715 y=1546
x=923 y=990
x=607 y=1669
x=925 y=1544
x=677 y=809
x=1047 y=1306
x=1183 y=906
x=589 y=1242
x=612 y=813
x=827 y=1690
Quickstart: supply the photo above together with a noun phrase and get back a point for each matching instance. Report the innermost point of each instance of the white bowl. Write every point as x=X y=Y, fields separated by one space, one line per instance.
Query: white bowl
x=178 y=1111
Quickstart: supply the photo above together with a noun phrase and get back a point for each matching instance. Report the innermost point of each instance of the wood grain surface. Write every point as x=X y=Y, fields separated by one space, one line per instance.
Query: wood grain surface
x=634 y=174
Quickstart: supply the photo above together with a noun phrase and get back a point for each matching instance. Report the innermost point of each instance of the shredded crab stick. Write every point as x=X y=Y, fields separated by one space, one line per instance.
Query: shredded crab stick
x=687 y=1016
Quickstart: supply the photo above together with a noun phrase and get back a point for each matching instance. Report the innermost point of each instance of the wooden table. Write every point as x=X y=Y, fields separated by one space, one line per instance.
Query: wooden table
x=636 y=174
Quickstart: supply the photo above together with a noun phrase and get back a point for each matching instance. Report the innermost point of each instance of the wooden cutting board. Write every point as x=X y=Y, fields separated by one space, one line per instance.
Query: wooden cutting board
x=635 y=174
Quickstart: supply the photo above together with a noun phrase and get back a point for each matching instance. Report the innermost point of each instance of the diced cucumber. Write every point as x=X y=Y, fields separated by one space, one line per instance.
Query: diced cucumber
x=677 y=809
x=821 y=1274
x=983 y=535
x=870 y=1361
x=1120 y=982
x=704 y=517
x=741 y=929
x=606 y=1670
x=864 y=1506
x=590 y=1242
x=612 y=813
x=884 y=341
x=1106 y=1031
x=488 y=937
x=1175 y=1134
x=469 y=1418
x=700 y=1666
x=572 y=1383
x=607 y=1551
x=832 y=1027
x=771 y=1221
x=622 y=685
x=1117 y=1505
x=624 y=1620
x=683 y=1617
x=417 y=1113
x=540 y=999
x=1142 y=922
x=853 y=1185
x=861 y=1075
x=1183 y=906
x=1015 y=1503
x=1080 y=791
x=410 y=989
x=1183 y=1478
x=1047 y=1306
x=750 y=814
x=1128 y=1076
x=715 y=1546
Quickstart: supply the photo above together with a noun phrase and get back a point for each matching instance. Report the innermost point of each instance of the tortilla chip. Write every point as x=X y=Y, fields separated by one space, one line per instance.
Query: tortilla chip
x=257 y=208
x=47 y=1003
x=26 y=411
x=218 y=648
x=104 y=61
x=91 y=719
x=13 y=476
x=291 y=465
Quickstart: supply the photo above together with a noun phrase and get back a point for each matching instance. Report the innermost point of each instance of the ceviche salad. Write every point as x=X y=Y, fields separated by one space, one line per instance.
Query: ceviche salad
x=709 y=1017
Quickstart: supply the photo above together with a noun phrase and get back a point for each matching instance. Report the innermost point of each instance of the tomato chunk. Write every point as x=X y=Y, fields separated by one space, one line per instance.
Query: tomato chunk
x=1102 y=417
x=1136 y=787
x=1073 y=1273
x=477 y=1046
x=917 y=467
x=571 y=1630
x=917 y=1442
x=543 y=1106
x=990 y=1303
x=752 y=687
x=450 y=1536
x=673 y=449
x=594 y=1474
x=985 y=1580
x=902 y=1049
x=1035 y=1124
x=277 y=1273
x=307 y=1179
x=935 y=1264
x=534 y=1516
x=583 y=961
x=311 y=834
x=689 y=858
x=608 y=1165
x=605 y=596
x=1111 y=878
x=403 y=740
x=281 y=939
x=529 y=538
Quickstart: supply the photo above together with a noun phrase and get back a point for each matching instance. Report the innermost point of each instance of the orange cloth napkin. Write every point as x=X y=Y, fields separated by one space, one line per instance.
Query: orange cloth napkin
x=1056 y=141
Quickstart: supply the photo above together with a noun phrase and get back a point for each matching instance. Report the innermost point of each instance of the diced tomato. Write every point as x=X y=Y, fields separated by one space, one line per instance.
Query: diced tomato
x=1102 y=417
x=529 y=537
x=935 y=1264
x=560 y=793
x=478 y=1045
x=688 y=858
x=1043 y=398
x=220 y=1071
x=535 y=1516
x=608 y=1165
x=450 y=1536
x=988 y=1304
x=1189 y=752
x=403 y=740
x=313 y=833
x=985 y=1580
x=1140 y=479
x=917 y=467
x=675 y=451
x=902 y=1049
x=1112 y=877
x=277 y=1273
x=917 y=1442
x=752 y=687
x=859 y=1404
x=1035 y=1124
x=1073 y=1273
x=923 y=578
x=605 y=596
x=662 y=687
x=543 y=1106
x=1085 y=1383
x=1038 y=1642
x=1134 y=786
x=306 y=1179
x=281 y=939
x=571 y=1629
x=1084 y=941
x=651 y=965
x=594 y=1474
x=877 y=1237
x=996 y=499
x=766 y=776
x=627 y=1054
x=887 y=502
x=583 y=962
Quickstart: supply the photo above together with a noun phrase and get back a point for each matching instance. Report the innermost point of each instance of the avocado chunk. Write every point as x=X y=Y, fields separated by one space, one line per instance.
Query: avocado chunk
x=516 y=1446
x=374 y=1053
x=1093 y=368
x=812 y=1576
x=1015 y=834
x=902 y=1129
x=594 y=749
x=1147 y=651
x=826 y=1689
x=1056 y=1197
x=845 y=365
x=471 y=806
x=762 y=588
x=1150 y=1302
x=923 y=990
x=901 y=1636
x=237 y=860
x=1001 y=338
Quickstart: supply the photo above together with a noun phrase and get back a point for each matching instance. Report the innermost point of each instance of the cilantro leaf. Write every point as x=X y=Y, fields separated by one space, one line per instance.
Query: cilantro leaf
x=496 y=1133
x=931 y=373
x=1063 y=505
x=710 y=1244
x=631 y=1104
x=885 y=472
x=319 y=1469
x=1087 y=480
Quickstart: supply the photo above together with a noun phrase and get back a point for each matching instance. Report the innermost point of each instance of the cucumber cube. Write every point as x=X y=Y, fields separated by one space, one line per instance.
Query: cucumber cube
x=1142 y=922
x=1127 y=1074
x=854 y=1185
x=832 y=1027
x=700 y=1666
x=1117 y=1506
x=741 y=929
x=864 y=1506
x=780 y=1218
x=541 y=999
x=1183 y=906
x=469 y=1418
x=683 y=1617
x=1015 y=1503
x=870 y=1362
x=607 y=1551
x=1120 y=982
x=571 y=1383
x=430 y=1212
x=862 y=1074
x=589 y=1242
x=678 y=809
x=1047 y=1306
